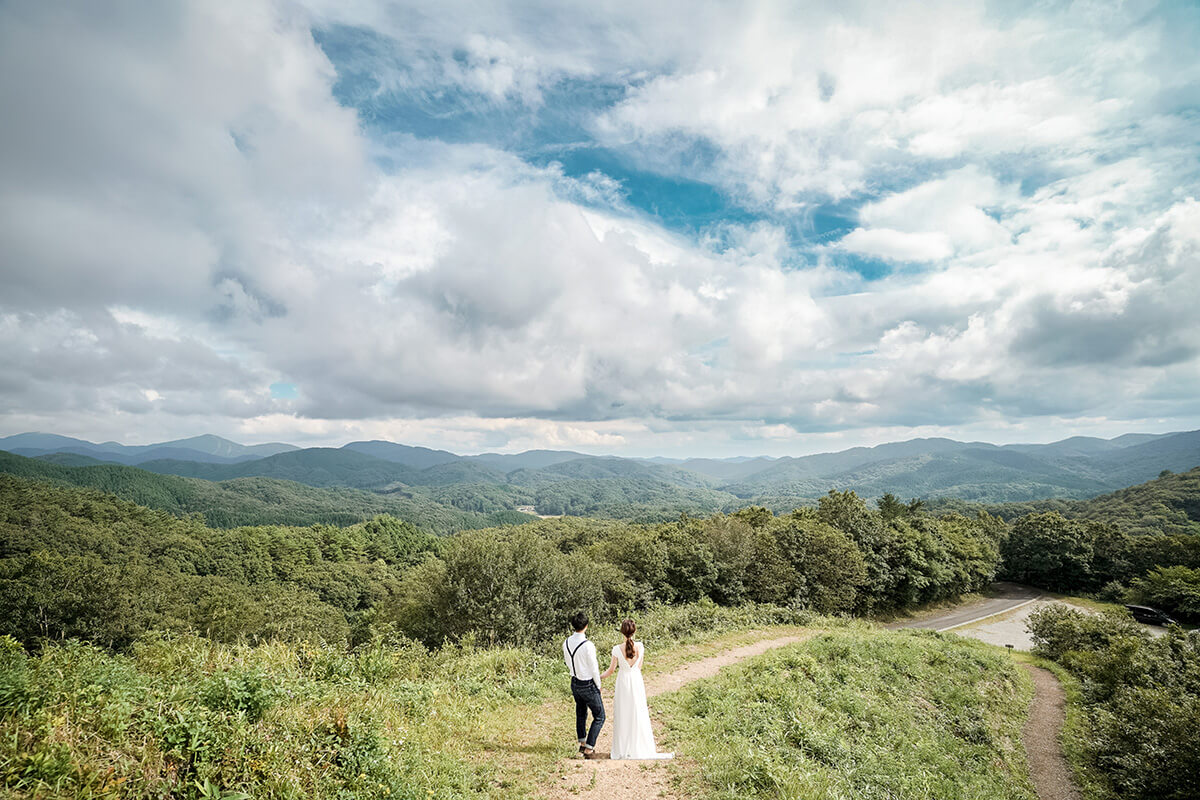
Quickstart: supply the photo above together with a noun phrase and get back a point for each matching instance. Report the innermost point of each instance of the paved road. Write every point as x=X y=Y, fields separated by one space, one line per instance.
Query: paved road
x=1007 y=596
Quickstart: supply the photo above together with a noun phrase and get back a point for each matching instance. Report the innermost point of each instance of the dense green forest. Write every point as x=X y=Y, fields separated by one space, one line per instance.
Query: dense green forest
x=1140 y=544
x=1168 y=504
x=80 y=563
x=655 y=490
x=841 y=556
x=440 y=506
x=442 y=491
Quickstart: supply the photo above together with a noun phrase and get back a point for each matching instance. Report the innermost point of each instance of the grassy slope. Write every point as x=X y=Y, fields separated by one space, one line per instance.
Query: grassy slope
x=297 y=720
x=847 y=715
x=854 y=714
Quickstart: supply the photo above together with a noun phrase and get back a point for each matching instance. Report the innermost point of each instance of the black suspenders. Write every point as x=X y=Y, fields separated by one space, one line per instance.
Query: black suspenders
x=573 y=652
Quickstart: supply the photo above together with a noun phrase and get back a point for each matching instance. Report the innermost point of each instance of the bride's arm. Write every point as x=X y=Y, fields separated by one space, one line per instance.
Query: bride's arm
x=611 y=668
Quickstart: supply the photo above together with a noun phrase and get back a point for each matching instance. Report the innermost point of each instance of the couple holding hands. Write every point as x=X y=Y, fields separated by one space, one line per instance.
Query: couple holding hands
x=633 y=738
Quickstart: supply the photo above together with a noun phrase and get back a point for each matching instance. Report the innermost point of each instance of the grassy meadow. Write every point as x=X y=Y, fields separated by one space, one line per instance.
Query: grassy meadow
x=189 y=717
x=858 y=714
x=850 y=713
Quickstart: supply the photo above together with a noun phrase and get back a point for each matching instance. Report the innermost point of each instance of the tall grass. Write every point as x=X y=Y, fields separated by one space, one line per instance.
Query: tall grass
x=188 y=717
x=851 y=714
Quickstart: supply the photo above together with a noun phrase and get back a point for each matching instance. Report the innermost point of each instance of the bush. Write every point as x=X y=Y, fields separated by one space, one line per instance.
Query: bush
x=1141 y=695
x=248 y=693
x=1058 y=629
x=14 y=678
x=1175 y=589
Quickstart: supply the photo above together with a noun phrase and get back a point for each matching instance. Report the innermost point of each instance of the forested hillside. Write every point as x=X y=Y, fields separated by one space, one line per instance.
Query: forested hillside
x=262 y=501
x=77 y=562
x=1168 y=504
x=352 y=603
x=443 y=498
x=205 y=448
x=1140 y=544
x=566 y=482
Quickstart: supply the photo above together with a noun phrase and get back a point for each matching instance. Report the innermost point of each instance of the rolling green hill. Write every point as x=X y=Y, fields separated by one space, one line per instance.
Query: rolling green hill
x=417 y=457
x=256 y=500
x=562 y=482
x=315 y=466
x=1169 y=504
x=206 y=448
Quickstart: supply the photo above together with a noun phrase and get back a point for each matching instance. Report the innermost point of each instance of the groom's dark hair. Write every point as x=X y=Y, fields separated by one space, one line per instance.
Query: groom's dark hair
x=579 y=621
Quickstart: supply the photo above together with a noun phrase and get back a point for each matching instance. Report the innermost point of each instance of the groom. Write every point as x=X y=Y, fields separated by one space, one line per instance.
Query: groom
x=580 y=656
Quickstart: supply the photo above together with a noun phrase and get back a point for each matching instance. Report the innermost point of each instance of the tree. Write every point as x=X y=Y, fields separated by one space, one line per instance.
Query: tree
x=890 y=507
x=1051 y=551
x=829 y=567
x=1175 y=589
x=509 y=589
x=847 y=512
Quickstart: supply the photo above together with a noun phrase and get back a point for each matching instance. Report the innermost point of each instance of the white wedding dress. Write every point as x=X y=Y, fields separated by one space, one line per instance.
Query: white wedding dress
x=632 y=735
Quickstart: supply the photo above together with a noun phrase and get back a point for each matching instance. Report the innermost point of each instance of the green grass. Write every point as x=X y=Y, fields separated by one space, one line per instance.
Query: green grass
x=856 y=714
x=852 y=713
x=188 y=717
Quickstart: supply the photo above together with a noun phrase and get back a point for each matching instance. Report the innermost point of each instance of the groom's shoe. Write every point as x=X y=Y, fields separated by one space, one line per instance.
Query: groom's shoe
x=590 y=754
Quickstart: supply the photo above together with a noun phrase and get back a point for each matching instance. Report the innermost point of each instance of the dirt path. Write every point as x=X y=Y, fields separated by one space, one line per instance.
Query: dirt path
x=603 y=779
x=1047 y=713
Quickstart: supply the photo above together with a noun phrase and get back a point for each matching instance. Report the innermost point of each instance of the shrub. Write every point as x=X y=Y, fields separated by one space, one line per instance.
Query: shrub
x=1058 y=628
x=249 y=693
x=509 y=589
x=1141 y=695
x=1175 y=589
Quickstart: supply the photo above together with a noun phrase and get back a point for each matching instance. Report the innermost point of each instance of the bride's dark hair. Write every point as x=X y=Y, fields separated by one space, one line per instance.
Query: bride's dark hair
x=628 y=629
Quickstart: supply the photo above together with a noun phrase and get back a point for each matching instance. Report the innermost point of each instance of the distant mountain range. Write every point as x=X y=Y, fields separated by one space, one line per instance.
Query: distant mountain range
x=574 y=483
x=207 y=448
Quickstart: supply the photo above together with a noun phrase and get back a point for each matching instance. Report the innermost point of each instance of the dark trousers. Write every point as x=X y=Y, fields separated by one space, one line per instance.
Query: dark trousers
x=587 y=698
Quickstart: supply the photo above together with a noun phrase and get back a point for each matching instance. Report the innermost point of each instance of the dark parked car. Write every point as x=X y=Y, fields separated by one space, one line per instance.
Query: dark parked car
x=1150 y=616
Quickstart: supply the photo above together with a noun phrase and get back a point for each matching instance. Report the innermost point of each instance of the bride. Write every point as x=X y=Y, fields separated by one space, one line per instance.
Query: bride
x=632 y=735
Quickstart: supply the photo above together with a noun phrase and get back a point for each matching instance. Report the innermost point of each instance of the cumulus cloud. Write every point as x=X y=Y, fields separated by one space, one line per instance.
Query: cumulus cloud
x=191 y=215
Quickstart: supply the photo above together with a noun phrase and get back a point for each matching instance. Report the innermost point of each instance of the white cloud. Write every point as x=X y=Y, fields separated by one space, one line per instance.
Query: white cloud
x=894 y=245
x=934 y=220
x=191 y=216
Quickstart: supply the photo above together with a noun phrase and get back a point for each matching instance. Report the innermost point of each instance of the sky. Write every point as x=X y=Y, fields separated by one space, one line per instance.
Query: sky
x=669 y=228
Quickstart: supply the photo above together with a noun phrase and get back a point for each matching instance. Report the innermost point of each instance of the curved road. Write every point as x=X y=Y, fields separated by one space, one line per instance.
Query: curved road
x=1006 y=597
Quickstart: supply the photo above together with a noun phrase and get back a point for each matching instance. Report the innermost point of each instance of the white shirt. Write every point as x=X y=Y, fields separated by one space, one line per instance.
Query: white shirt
x=585 y=666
